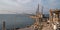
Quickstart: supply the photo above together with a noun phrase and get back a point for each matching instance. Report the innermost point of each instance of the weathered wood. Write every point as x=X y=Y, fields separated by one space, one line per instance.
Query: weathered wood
x=3 y=26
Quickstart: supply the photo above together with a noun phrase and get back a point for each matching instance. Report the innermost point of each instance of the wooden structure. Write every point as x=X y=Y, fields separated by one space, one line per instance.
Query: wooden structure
x=38 y=17
x=55 y=18
x=3 y=27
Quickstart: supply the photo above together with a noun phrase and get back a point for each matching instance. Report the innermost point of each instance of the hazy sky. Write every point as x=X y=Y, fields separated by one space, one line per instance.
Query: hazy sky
x=26 y=6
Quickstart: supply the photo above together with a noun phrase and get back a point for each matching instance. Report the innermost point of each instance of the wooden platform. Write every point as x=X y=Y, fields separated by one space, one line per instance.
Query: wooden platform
x=45 y=27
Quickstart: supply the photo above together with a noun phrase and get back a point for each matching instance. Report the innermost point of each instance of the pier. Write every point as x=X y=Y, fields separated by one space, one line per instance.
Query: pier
x=51 y=23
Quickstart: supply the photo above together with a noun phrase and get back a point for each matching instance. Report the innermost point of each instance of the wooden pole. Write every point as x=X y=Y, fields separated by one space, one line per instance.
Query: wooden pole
x=3 y=26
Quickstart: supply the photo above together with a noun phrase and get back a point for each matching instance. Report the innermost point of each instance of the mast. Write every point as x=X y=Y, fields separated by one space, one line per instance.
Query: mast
x=37 y=9
x=42 y=10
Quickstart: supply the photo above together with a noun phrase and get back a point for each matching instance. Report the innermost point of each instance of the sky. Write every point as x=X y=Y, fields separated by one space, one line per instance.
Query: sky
x=27 y=6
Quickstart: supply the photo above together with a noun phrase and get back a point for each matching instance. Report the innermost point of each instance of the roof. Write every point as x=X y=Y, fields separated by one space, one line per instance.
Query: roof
x=56 y=11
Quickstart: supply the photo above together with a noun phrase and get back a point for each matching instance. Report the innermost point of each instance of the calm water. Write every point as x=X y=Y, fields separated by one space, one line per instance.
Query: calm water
x=12 y=20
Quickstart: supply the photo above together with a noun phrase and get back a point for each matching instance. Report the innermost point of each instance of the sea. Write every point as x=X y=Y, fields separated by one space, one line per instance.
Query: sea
x=15 y=20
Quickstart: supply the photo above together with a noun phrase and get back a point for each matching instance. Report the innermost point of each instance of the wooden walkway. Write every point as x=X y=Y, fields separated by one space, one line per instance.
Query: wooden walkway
x=45 y=27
